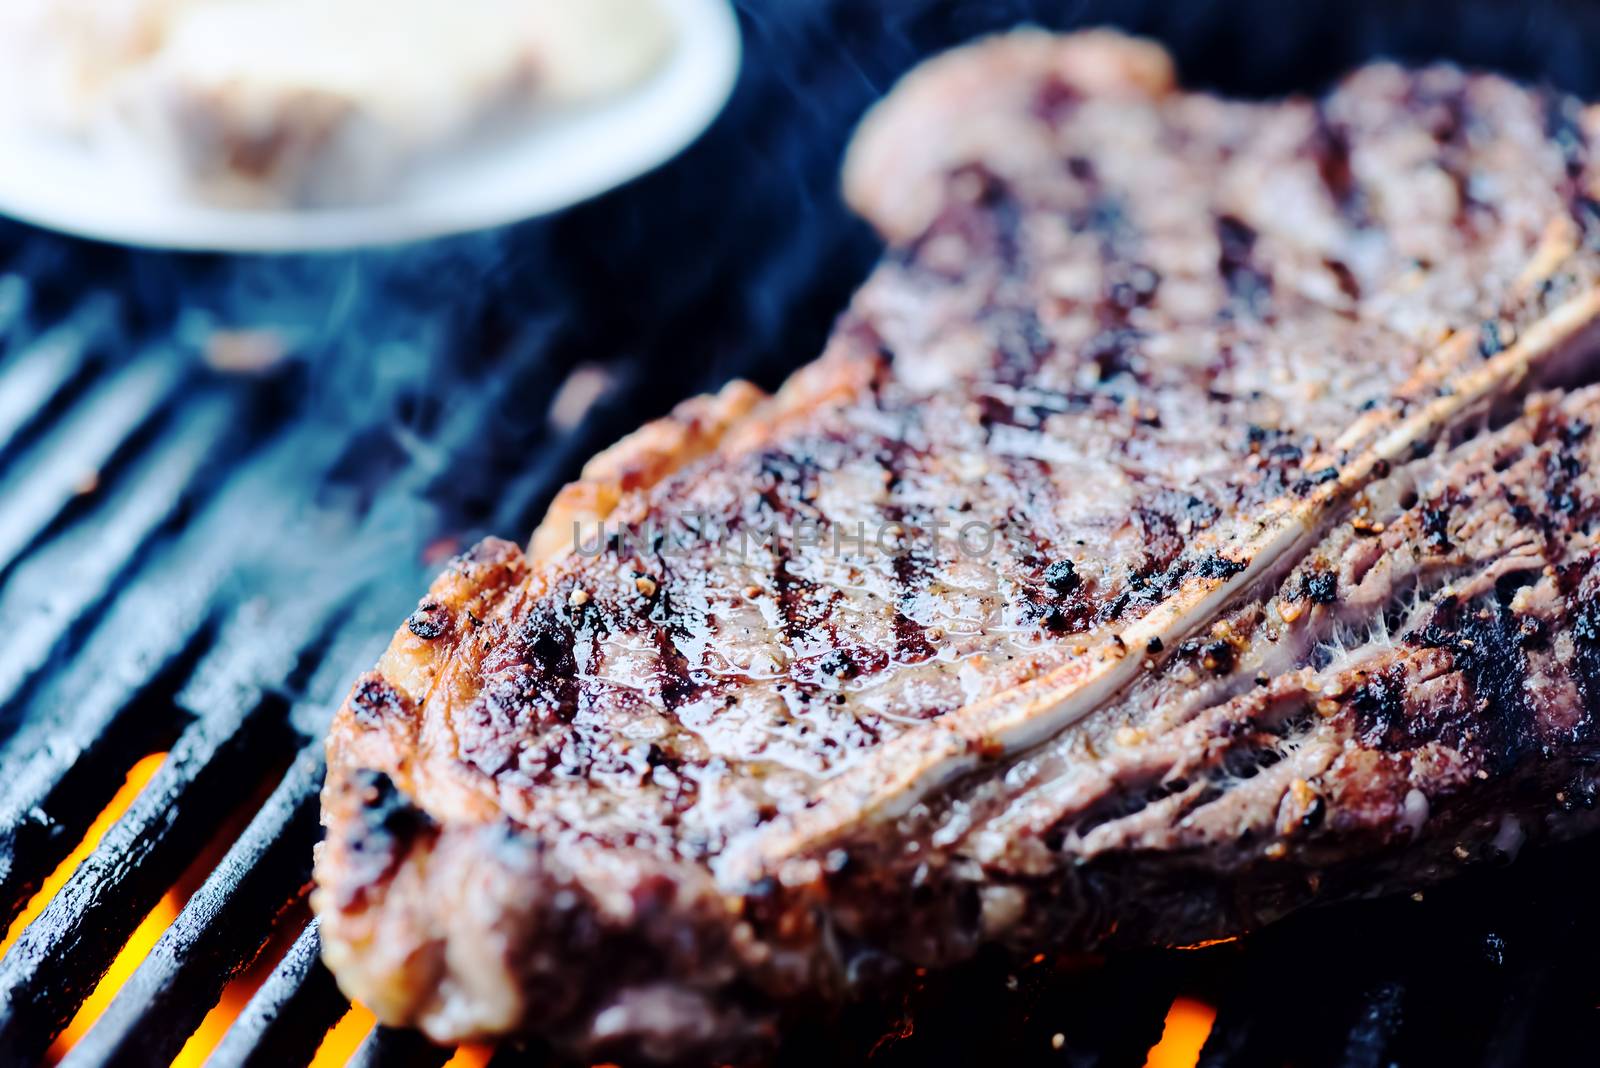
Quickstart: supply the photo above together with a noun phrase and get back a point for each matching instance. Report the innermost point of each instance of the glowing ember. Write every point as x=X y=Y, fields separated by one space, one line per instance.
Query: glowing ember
x=138 y=775
x=1188 y=1024
x=237 y=994
x=1209 y=942
x=133 y=953
x=344 y=1039
x=143 y=938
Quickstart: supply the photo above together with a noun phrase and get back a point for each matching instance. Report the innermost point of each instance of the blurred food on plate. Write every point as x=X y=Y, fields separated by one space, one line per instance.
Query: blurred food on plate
x=273 y=103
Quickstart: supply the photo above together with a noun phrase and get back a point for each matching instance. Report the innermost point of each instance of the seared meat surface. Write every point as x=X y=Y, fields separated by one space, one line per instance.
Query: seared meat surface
x=1177 y=530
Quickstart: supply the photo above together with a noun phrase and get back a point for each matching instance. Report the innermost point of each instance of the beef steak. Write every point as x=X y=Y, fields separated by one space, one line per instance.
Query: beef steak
x=1183 y=525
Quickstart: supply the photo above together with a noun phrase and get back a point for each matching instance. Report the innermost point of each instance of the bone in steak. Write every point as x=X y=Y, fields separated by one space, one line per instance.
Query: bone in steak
x=1292 y=595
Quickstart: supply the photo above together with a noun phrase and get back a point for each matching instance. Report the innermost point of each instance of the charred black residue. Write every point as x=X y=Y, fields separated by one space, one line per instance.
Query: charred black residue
x=1216 y=566
x=795 y=593
x=1329 y=146
x=1436 y=526
x=548 y=641
x=910 y=562
x=1586 y=641
x=1164 y=525
x=1201 y=513
x=1020 y=344
x=1063 y=615
x=839 y=664
x=1115 y=351
x=1316 y=478
x=1383 y=719
x=1494 y=716
x=1249 y=287
x=375 y=702
x=386 y=828
x=787 y=494
x=1491 y=339
x=672 y=667
x=430 y=620
x=1165 y=521
x=529 y=689
x=1286 y=452
x=1562 y=468
x=1564 y=127
x=1062 y=577
x=1063 y=604
x=1215 y=655
x=1320 y=587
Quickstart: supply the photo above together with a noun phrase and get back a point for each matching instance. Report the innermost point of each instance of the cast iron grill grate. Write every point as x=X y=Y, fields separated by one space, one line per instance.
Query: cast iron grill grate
x=223 y=481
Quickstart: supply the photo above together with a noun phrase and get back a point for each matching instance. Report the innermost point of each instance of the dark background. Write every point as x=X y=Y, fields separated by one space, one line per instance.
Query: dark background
x=199 y=557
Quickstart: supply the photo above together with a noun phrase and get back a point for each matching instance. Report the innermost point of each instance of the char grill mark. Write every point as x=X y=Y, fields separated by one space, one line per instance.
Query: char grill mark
x=529 y=688
x=1164 y=746
x=910 y=558
x=1449 y=119
x=1585 y=642
x=1329 y=146
x=1247 y=284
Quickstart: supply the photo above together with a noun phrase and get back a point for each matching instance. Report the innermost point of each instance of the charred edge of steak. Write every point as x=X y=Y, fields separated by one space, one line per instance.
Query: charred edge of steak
x=376 y=702
x=589 y=930
x=386 y=828
x=429 y=621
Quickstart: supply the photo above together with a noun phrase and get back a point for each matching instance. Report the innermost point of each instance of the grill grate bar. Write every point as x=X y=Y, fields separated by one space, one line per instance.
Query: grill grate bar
x=289 y=1016
x=1372 y=1038
x=32 y=380
x=227 y=920
x=212 y=769
x=56 y=771
x=38 y=973
x=15 y=296
x=385 y=1047
x=57 y=586
x=526 y=1054
x=221 y=928
x=80 y=448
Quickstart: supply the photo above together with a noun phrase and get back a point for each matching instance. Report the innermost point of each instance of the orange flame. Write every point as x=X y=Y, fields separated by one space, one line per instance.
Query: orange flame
x=344 y=1038
x=138 y=775
x=143 y=938
x=1188 y=1025
x=341 y=1042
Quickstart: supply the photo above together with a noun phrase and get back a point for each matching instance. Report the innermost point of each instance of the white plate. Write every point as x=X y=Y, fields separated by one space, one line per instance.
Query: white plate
x=554 y=163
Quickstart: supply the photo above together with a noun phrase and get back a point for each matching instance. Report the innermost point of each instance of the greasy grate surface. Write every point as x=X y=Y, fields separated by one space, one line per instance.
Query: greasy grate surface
x=223 y=481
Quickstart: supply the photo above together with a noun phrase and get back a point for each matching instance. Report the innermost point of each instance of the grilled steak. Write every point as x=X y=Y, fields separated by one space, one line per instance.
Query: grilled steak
x=1183 y=525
